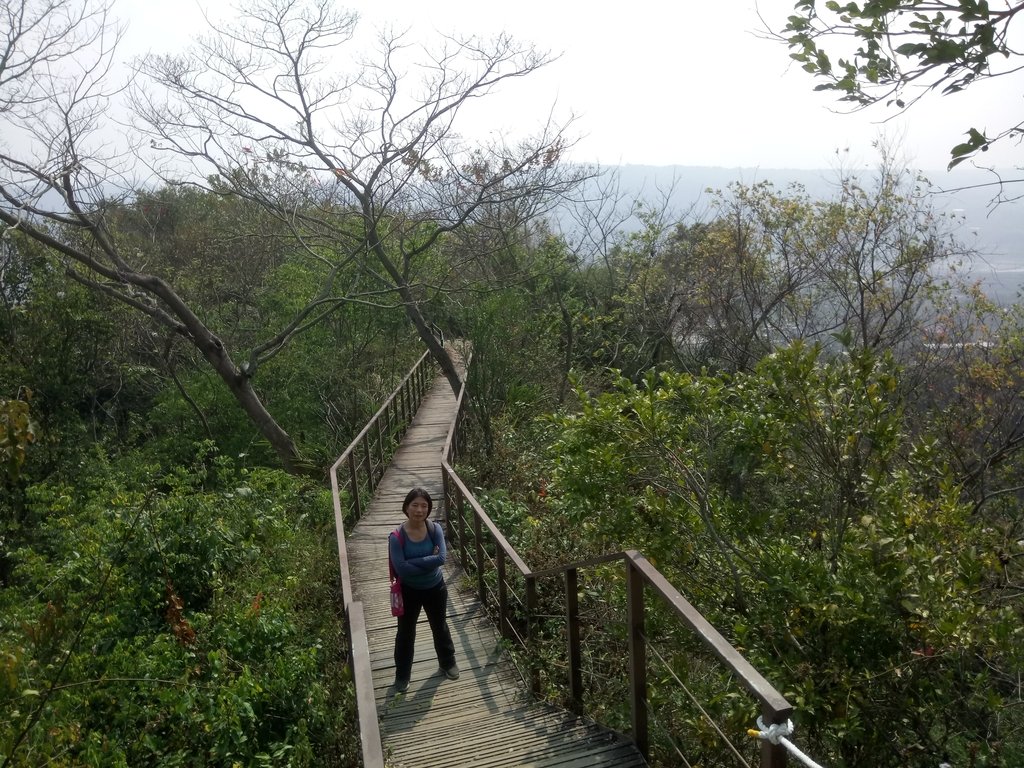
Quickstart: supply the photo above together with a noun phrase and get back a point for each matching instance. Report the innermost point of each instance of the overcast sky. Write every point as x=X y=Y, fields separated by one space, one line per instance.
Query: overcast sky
x=655 y=83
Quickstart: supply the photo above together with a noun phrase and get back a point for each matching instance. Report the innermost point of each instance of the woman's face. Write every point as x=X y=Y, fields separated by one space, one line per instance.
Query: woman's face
x=418 y=509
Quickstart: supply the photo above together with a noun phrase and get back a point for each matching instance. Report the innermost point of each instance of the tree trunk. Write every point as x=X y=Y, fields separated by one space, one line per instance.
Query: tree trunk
x=241 y=387
x=279 y=440
x=412 y=307
x=437 y=350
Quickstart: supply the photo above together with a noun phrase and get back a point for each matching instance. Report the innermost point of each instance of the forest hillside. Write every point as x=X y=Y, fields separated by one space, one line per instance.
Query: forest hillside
x=803 y=403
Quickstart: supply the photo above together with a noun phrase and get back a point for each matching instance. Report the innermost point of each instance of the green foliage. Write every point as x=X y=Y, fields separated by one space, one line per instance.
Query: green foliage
x=99 y=372
x=900 y=45
x=768 y=266
x=332 y=377
x=177 y=619
x=17 y=433
x=160 y=602
x=70 y=349
x=793 y=507
x=973 y=413
x=521 y=338
x=636 y=307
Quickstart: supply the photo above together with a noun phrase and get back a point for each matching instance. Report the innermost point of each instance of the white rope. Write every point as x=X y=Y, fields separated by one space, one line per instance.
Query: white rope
x=776 y=734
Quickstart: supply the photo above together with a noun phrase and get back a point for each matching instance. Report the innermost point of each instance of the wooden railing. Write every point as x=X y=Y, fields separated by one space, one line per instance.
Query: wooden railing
x=486 y=554
x=362 y=465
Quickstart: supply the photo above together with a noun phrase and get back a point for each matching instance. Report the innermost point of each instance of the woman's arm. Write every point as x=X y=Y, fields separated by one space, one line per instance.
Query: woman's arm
x=404 y=567
x=440 y=550
x=436 y=560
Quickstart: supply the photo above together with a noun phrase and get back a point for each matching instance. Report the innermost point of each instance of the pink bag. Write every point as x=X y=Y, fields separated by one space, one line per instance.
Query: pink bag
x=397 y=603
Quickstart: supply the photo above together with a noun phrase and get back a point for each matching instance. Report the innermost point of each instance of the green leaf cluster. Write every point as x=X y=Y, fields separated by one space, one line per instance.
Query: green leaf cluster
x=176 y=619
x=795 y=508
x=888 y=48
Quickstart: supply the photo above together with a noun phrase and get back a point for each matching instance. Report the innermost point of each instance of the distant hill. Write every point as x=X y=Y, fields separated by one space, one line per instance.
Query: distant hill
x=995 y=232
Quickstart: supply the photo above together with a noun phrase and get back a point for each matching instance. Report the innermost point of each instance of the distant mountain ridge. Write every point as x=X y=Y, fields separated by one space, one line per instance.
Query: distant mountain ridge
x=996 y=232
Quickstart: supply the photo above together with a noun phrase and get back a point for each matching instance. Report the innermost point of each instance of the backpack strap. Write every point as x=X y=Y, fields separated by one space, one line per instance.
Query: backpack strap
x=397 y=533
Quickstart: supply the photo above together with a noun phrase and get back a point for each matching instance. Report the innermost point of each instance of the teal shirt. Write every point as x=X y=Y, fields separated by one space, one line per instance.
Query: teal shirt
x=415 y=562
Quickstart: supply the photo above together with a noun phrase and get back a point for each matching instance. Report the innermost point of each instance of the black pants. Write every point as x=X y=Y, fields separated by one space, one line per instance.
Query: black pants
x=435 y=602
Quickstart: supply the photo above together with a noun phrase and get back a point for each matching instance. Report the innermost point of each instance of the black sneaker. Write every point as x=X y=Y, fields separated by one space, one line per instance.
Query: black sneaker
x=452 y=672
x=401 y=686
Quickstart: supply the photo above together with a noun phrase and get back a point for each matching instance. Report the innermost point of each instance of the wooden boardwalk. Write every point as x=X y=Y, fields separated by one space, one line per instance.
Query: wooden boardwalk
x=485 y=718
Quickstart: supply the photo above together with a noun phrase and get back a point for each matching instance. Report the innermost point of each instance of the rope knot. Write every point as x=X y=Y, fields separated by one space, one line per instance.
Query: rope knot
x=778 y=733
x=774 y=732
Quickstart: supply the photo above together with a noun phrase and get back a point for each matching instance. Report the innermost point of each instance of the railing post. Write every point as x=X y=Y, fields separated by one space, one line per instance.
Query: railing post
x=572 y=625
x=462 y=528
x=399 y=409
x=479 y=540
x=637 y=658
x=460 y=441
x=369 y=463
x=354 y=475
x=772 y=755
x=502 y=594
x=446 y=494
x=532 y=628
x=380 y=443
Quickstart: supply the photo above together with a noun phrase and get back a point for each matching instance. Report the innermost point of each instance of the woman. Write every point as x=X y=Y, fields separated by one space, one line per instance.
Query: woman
x=417 y=552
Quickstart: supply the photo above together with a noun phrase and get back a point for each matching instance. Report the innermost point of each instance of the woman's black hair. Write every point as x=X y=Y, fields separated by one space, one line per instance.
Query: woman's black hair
x=417 y=493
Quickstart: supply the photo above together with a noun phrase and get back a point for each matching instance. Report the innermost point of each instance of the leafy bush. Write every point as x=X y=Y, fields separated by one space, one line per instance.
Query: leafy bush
x=177 y=619
x=793 y=507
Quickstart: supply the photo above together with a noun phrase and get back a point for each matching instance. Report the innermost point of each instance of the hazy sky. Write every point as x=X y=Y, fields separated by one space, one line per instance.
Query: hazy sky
x=654 y=82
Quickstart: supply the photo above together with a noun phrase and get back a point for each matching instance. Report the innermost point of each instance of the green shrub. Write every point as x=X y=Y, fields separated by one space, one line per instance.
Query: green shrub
x=796 y=510
x=176 y=620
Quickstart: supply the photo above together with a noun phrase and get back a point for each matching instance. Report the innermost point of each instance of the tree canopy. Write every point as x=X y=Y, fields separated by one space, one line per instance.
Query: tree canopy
x=362 y=173
x=895 y=52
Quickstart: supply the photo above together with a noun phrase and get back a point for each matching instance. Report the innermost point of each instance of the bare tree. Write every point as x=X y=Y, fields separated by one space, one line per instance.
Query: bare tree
x=59 y=173
x=864 y=265
x=365 y=168
x=360 y=173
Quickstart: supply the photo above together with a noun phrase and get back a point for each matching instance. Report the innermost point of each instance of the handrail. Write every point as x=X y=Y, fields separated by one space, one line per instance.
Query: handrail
x=367 y=459
x=722 y=648
x=396 y=426
x=775 y=709
x=752 y=680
